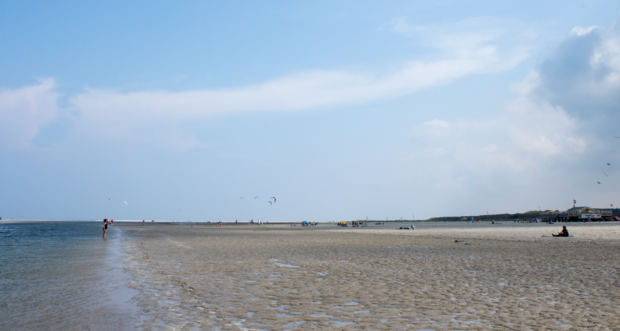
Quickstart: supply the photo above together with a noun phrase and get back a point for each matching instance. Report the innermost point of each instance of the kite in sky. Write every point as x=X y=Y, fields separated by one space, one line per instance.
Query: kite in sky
x=256 y=197
x=605 y=174
x=270 y=202
x=110 y=199
x=608 y=163
x=274 y=199
x=242 y=198
x=599 y=183
x=125 y=202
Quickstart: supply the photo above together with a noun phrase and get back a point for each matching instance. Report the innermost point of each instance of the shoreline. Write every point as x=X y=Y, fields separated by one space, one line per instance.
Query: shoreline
x=121 y=295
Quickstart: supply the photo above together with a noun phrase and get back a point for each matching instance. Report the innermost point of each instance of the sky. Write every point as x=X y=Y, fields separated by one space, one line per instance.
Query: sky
x=342 y=110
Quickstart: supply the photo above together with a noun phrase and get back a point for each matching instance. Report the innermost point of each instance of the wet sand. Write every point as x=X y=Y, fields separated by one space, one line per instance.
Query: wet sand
x=442 y=276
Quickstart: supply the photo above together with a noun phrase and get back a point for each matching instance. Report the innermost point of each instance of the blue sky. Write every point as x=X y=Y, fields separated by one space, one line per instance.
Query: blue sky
x=340 y=109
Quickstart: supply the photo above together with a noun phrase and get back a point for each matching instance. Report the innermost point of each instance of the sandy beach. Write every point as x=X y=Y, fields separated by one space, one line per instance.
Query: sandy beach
x=442 y=276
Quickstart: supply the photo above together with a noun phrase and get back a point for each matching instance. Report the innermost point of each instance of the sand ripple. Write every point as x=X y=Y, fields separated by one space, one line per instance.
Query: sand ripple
x=250 y=278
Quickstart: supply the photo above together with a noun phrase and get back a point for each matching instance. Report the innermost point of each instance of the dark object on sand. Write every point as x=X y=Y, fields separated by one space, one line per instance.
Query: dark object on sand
x=563 y=233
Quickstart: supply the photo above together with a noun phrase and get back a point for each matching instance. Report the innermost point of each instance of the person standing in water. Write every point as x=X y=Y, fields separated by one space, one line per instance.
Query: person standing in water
x=105 y=227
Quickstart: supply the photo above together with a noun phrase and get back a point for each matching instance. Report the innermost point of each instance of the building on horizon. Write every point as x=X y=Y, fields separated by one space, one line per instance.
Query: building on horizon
x=577 y=214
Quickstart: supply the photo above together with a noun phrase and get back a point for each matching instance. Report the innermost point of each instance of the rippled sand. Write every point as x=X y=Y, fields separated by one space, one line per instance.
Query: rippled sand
x=440 y=276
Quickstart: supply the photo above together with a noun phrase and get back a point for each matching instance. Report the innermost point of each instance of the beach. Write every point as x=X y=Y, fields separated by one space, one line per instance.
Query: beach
x=440 y=276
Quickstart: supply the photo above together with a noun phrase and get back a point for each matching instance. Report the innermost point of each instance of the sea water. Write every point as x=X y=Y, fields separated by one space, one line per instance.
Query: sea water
x=63 y=276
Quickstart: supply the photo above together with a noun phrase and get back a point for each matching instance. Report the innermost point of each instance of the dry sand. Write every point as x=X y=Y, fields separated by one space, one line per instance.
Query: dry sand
x=442 y=276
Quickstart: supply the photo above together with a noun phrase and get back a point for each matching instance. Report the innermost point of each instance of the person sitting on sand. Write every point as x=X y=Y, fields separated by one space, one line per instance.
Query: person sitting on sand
x=563 y=233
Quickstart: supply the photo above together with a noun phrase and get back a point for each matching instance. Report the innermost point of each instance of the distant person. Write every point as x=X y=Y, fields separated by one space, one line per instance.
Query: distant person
x=105 y=227
x=563 y=233
x=142 y=222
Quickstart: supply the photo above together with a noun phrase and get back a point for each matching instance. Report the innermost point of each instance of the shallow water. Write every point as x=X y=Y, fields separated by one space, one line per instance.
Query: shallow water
x=63 y=275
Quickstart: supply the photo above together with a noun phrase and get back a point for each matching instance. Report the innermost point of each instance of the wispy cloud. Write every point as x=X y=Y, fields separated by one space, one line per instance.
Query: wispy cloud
x=24 y=111
x=298 y=92
x=471 y=36
x=132 y=115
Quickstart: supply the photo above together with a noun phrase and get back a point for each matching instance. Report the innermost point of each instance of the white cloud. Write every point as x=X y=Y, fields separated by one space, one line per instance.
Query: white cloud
x=581 y=31
x=438 y=124
x=525 y=135
x=490 y=149
x=157 y=116
x=583 y=75
x=124 y=113
x=511 y=39
x=304 y=91
x=553 y=136
x=550 y=117
x=24 y=111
